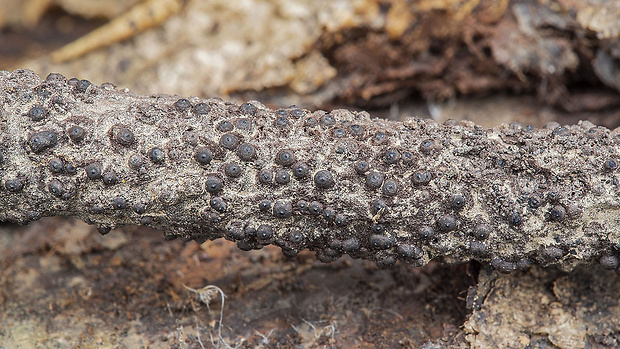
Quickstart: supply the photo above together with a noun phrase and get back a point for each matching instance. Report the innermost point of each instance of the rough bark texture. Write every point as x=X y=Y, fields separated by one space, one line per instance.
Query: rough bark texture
x=337 y=183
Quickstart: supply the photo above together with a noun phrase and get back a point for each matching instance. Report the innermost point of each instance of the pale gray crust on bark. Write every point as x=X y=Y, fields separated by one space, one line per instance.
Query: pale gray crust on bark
x=511 y=195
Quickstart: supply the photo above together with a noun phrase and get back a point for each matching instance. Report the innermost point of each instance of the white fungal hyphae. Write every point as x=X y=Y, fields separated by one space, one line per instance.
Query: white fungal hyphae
x=337 y=183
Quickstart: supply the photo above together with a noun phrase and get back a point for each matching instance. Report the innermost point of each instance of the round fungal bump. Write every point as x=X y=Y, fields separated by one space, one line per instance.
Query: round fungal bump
x=246 y=152
x=551 y=253
x=182 y=105
x=361 y=167
x=264 y=234
x=504 y=267
x=407 y=157
x=70 y=169
x=248 y=109
x=281 y=121
x=386 y=262
x=123 y=136
x=297 y=113
x=201 y=109
x=82 y=85
x=377 y=206
x=301 y=170
x=229 y=141
x=245 y=124
x=457 y=201
x=324 y=179
x=139 y=208
x=135 y=161
x=329 y=213
x=56 y=165
x=377 y=228
x=225 y=126
x=191 y=138
x=265 y=176
x=218 y=204
x=37 y=113
x=524 y=264
x=93 y=171
x=282 y=177
x=315 y=208
x=157 y=155
x=350 y=245
x=339 y=133
x=203 y=156
x=390 y=187
x=409 y=252
x=426 y=232
x=428 y=146
x=610 y=165
x=56 y=188
x=103 y=229
x=356 y=130
x=482 y=231
x=214 y=218
x=327 y=120
x=380 y=137
x=245 y=246
x=336 y=244
x=119 y=203
x=391 y=156
x=341 y=220
x=374 y=179
x=43 y=140
x=264 y=205
x=296 y=237
x=282 y=209
x=285 y=158
x=289 y=252
x=478 y=248
x=302 y=206
x=109 y=178
x=534 y=202
x=33 y=216
x=235 y=234
x=515 y=219
x=447 y=223
x=557 y=213
x=561 y=131
x=380 y=242
x=421 y=178
x=213 y=184
x=233 y=170
x=310 y=122
x=55 y=78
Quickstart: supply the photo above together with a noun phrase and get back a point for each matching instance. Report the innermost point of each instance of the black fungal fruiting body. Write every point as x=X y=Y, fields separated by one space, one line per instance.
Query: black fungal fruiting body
x=379 y=190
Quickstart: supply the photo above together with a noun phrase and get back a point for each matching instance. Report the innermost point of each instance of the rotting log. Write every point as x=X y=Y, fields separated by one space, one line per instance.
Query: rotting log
x=334 y=182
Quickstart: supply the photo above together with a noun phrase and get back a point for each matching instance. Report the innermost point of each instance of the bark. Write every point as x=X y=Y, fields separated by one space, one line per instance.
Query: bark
x=334 y=182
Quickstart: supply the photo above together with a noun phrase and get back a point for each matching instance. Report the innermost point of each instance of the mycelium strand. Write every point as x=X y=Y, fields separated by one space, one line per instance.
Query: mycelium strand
x=336 y=182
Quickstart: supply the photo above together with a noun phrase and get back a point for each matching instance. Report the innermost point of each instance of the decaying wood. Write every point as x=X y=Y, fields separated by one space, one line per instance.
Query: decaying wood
x=335 y=182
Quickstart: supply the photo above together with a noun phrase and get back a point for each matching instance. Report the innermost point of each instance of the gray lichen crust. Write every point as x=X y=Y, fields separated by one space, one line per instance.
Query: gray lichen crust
x=336 y=183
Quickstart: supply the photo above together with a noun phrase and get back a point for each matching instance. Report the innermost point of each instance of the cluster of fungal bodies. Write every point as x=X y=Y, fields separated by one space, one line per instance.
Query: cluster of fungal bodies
x=339 y=183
